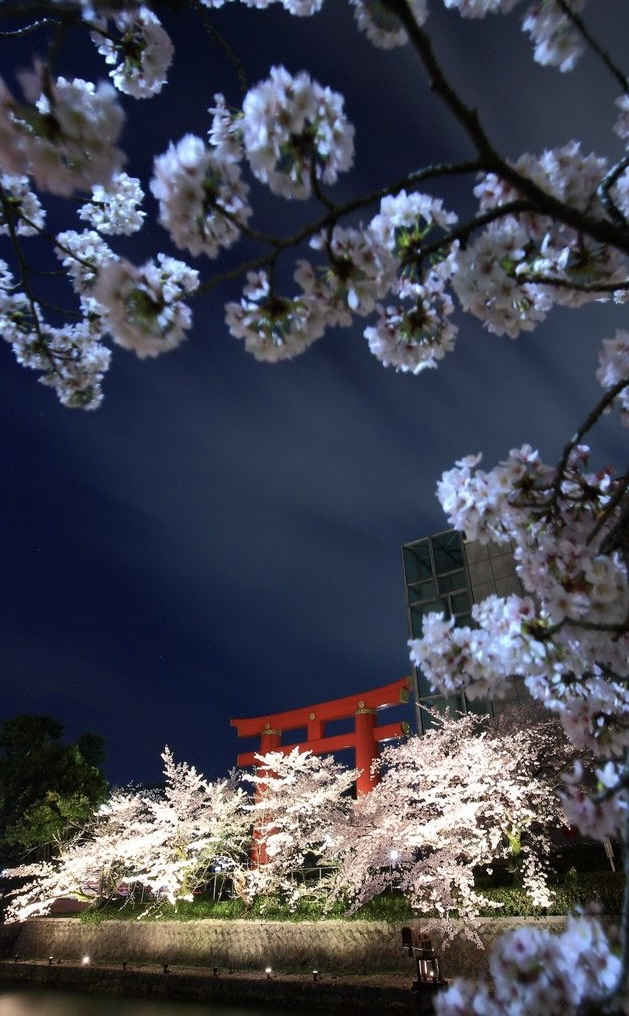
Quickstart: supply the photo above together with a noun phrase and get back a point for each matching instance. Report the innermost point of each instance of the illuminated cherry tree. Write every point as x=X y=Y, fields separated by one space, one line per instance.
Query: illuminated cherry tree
x=466 y=794
x=159 y=846
x=300 y=801
x=463 y=796
x=550 y=229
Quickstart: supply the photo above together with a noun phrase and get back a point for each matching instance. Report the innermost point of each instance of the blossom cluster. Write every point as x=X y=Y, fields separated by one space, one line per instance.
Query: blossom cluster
x=273 y=328
x=613 y=371
x=600 y=816
x=557 y=41
x=463 y=796
x=365 y=266
x=539 y=973
x=21 y=210
x=72 y=360
x=65 y=136
x=115 y=209
x=524 y=264
x=510 y=274
x=203 y=202
x=145 y=308
x=575 y=589
x=380 y=23
x=142 y=51
x=405 y=268
x=292 y=132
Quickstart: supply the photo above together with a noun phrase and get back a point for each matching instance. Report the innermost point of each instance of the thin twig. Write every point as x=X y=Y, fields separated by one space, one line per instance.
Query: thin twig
x=603 y=195
x=593 y=43
x=233 y=58
x=591 y=419
x=461 y=233
x=28 y=28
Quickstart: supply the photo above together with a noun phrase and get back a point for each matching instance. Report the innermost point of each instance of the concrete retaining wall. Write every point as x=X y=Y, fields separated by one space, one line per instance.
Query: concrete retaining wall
x=334 y=946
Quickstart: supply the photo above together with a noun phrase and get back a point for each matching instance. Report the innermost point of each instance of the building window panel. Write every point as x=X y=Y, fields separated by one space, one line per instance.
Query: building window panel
x=460 y=604
x=452 y=582
x=446 y=576
x=421 y=591
x=417 y=561
x=447 y=552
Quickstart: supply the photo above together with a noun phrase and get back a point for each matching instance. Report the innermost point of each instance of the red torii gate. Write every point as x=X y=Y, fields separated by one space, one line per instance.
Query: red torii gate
x=365 y=738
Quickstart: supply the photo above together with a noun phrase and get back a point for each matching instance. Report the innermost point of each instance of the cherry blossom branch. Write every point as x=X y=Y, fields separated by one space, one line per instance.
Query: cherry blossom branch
x=593 y=43
x=602 y=192
x=438 y=83
x=27 y=28
x=540 y=279
x=468 y=118
x=231 y=54
x=332 y=216
x=463 y=232
x=24 y=282
x=590 y=421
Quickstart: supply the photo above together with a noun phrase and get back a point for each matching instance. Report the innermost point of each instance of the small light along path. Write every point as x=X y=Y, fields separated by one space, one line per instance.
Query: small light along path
x=312 y=991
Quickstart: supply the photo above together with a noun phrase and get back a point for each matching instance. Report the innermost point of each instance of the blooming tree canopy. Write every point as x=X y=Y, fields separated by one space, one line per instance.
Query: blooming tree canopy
x=467 y=794
x=548 y=229
x=300 y=801
x=166 y=843
x=464 y=795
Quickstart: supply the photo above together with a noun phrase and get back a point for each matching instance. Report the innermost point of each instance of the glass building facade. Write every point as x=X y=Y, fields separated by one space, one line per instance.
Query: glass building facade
x=445 y=573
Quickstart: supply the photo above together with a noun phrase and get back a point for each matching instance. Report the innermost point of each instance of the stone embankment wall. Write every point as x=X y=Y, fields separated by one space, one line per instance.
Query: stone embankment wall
x=8 y=938
x=334 y=946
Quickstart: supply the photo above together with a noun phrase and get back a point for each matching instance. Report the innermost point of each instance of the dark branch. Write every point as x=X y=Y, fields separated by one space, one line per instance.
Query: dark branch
x=585 y=34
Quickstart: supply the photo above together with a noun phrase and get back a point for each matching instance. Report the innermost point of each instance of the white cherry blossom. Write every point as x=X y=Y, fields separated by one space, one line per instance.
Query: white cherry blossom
x=621 y=126
x=144 y=307
x=486 y=283
x=83 y=255
x=273 y=327
x=359 y=271
x=20 y=207
x=380 y=24
x=614 y=369
x=67 y=139
x=115 y=209
x=224 y=134
x=71 y=360
x=202 y=199
x=415 y=333
x=142 y=53
x=557 y=41
x=480 y=8
x=294 y=130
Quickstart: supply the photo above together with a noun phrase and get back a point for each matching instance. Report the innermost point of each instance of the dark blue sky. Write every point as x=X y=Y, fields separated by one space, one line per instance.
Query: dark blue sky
x=222 y=538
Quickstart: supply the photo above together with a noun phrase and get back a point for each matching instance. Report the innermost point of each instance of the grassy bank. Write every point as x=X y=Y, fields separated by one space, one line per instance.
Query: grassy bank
x=571 y=891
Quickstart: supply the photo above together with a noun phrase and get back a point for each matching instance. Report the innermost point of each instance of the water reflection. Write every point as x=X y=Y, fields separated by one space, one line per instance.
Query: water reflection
x=63 y=1003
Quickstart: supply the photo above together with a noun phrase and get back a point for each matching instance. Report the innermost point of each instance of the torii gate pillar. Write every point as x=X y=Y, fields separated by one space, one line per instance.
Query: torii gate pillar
x=366 y=749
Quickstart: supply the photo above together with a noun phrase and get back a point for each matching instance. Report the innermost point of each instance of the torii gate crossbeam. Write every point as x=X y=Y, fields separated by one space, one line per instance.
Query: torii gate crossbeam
x=365 y=738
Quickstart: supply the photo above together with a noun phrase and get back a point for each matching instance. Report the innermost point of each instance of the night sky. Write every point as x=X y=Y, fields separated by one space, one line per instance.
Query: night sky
x=222 y=537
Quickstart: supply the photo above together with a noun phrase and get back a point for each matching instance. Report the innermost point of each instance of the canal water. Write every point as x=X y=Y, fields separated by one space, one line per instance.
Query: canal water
x=31 y=1002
